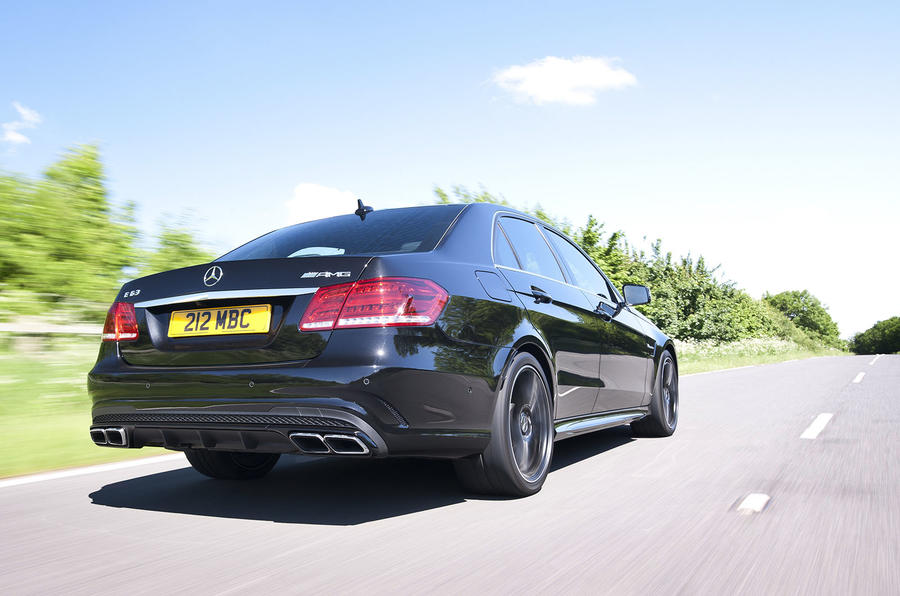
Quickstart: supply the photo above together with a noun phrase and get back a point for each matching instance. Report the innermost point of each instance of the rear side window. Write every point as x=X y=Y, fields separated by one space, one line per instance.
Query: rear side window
x=503 y=253
x=583 y=271
x=388 y=231
x=534 y=254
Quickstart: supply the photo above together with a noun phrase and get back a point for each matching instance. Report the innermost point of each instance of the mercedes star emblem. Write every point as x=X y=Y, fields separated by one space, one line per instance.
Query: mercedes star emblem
x=212 y=275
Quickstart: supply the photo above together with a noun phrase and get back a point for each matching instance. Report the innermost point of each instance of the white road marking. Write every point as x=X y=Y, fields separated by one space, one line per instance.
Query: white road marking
x=817 y=426
x=753 y=503
x=564 y=393
x=875 y=359
x=719 y=370
x=122 y=465
x=859 y=377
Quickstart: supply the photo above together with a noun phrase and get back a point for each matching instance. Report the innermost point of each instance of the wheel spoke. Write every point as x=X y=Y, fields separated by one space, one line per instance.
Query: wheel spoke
x=529 y=391
x=519 y=450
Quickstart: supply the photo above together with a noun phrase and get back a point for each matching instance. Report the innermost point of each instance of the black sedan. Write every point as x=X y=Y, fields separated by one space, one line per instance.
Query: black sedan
x=470 y=332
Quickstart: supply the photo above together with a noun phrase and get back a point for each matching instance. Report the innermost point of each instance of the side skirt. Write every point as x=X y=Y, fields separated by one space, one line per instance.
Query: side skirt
x=572 y=427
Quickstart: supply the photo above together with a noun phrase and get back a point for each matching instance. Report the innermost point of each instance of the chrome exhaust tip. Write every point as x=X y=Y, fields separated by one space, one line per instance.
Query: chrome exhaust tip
x=116 y=437
x=310 y=443
x=346 y=445
x=98 y=436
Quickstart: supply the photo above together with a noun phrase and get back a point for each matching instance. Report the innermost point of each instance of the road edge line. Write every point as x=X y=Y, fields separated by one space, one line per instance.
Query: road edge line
x=86 y=470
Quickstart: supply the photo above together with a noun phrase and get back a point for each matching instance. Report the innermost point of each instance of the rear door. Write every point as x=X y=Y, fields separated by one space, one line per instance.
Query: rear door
x=559 y=310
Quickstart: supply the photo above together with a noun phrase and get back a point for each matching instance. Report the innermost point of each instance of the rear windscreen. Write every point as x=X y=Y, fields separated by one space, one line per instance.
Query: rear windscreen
x=389 y=231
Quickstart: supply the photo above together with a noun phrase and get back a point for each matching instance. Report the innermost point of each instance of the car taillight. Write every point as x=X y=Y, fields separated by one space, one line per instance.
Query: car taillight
x=378 y=302
x=121 y=322
x=323 y=310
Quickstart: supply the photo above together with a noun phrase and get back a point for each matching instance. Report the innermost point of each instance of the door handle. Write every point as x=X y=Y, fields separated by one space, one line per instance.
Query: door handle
x=540 y=296
x=604 y=314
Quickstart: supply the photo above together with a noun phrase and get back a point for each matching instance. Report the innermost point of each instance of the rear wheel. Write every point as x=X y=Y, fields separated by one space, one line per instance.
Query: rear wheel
x=231 y=465
x=663 y=417
x=517 y=459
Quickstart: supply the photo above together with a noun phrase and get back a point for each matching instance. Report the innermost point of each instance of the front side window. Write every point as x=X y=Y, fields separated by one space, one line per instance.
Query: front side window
x=534 y=254
x=583 y=271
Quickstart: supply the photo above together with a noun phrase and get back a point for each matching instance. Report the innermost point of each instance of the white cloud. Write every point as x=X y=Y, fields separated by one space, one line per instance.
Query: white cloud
x=314 y=201
x=13 y=137
x=573 y=81
x=28 y=118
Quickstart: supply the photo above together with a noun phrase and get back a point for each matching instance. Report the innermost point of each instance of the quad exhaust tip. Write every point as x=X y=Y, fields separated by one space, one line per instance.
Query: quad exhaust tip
x=316 y=444
x=112 y=437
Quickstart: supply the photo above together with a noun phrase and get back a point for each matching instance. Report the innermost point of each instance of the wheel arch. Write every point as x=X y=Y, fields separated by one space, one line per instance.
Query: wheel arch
x=533 y=346
x=670 y=345
x=657 y=362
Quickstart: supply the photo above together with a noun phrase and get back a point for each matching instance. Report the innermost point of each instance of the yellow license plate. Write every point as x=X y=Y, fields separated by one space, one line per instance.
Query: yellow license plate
x=220 y=321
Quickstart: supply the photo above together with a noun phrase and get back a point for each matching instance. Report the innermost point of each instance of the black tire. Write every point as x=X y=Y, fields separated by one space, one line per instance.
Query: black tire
x=663 y=418
x=517 y=459
x=231 y=465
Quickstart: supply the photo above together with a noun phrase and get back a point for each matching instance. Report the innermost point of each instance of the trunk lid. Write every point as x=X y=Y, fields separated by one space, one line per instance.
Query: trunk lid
x=284 y=285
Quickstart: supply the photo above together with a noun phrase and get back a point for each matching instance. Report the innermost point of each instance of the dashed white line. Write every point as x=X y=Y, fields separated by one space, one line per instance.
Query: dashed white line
x=859 y=377
x=122 y=465
x=817 y=426
x=875 y=359
x=753 y=503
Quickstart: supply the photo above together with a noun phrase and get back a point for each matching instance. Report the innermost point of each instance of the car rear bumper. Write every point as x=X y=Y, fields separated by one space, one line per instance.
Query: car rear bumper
x=433 y=401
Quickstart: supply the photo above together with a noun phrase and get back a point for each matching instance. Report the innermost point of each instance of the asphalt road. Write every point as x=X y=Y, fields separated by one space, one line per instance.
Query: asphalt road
x=616 y=515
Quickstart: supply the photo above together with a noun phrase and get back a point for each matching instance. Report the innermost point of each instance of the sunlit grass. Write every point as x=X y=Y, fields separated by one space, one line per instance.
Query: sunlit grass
x=694 y=357
x=45 y=410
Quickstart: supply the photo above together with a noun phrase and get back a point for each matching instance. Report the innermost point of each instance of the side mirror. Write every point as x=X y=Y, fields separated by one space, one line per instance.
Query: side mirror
x=635 y=294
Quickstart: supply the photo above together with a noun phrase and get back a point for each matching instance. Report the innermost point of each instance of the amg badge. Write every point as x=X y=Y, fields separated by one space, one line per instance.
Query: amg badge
x=309 y=274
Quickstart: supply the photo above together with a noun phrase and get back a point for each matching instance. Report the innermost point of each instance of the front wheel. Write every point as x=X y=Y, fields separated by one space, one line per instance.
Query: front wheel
x=663 y=417
x=517 y=459
x=231 y=465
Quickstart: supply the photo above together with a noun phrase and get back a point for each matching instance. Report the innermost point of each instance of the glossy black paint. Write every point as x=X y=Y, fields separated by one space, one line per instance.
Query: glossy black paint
x=427 y=391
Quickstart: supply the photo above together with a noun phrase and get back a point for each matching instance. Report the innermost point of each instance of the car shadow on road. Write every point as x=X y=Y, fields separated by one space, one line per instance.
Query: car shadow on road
x=323 y=491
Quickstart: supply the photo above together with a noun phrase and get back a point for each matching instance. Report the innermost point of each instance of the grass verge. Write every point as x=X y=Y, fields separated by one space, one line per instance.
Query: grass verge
x=697 y=357
x=44 y=407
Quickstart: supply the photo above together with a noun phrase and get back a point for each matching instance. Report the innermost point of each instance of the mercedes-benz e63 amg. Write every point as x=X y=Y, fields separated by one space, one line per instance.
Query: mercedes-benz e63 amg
x=470 y=332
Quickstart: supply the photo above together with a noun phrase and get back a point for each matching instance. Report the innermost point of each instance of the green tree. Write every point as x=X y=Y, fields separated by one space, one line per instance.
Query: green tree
x=610 y=253
x=806 y=312
x=15 y=216
x=881 y=338
x=63 y=237
x=175 y=247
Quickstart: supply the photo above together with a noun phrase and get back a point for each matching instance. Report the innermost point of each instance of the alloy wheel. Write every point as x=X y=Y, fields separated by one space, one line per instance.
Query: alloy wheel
x=530 y=424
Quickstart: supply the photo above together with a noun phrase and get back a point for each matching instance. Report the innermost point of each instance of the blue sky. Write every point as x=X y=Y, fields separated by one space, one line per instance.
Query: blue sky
x=764 y=136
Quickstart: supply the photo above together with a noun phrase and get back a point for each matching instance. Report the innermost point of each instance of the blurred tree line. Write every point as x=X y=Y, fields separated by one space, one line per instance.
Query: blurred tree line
x=881 y=338
x=689 y=301
x=61 y=239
